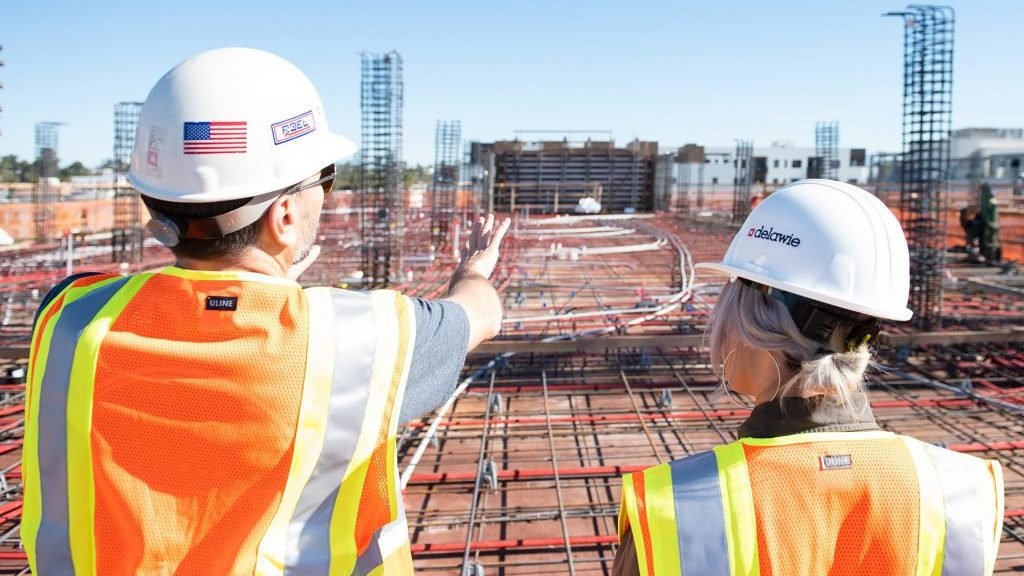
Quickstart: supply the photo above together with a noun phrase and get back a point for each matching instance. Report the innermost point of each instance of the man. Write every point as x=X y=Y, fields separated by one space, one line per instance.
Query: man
x=213 y=417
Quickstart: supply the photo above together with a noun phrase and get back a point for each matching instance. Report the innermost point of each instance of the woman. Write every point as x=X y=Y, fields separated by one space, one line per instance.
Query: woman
x=812 y=486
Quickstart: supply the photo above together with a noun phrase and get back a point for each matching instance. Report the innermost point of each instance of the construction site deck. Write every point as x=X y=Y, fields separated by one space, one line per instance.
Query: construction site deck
x=600 y=370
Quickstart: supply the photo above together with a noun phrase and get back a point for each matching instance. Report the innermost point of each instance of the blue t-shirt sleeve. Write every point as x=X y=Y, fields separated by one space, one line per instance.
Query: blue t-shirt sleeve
x=442 y=340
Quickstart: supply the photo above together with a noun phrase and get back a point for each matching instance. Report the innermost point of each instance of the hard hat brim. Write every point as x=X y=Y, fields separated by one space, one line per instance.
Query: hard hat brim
x=900 y=315
x=335 y=148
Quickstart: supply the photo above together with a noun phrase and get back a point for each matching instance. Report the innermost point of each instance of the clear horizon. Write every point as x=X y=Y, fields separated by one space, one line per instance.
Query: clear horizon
x=650 y=70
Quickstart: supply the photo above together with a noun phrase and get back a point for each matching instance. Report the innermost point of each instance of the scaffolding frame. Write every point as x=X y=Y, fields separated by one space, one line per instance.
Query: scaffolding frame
x=691 y=159
x=44 y=192
x=683 y=179
x=826 y=148
x=126 y=236
x=445 y=183
x=924 y=181
x=380 y=167
x=664 y=198
x=743 y=180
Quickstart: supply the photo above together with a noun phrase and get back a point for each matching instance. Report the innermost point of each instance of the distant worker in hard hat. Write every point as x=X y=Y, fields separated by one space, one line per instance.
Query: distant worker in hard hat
x=812 y=486
x=989 y=216
x=213 y=417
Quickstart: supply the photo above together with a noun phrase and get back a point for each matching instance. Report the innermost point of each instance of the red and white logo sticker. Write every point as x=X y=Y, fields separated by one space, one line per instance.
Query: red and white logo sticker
x=293 y=127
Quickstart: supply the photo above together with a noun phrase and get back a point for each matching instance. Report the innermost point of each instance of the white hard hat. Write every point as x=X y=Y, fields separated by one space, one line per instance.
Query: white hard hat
x=825 y=241
x=229 y=124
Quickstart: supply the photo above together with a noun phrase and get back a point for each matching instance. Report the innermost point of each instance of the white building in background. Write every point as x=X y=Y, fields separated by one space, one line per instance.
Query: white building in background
x=779 y=164
x=97 y=186
x=993 y=154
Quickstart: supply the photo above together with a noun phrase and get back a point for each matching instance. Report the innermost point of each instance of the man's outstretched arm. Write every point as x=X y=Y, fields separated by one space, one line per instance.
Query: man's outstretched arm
x=471 y=287
x=447 y=329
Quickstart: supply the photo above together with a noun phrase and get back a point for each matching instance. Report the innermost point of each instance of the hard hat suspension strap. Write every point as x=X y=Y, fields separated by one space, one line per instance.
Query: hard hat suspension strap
x=817 y=320
x=209 y=228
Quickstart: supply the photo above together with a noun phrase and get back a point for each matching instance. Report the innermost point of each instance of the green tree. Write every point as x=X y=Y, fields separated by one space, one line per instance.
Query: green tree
x=108 y=163
x=347 y=176
x=14 y=170
x=414 y=174
x=73 y=169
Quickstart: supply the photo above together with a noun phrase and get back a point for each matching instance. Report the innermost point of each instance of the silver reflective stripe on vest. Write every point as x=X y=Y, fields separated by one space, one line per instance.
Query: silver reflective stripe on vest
x=964 y=545
x=309 y=532
x=700 y=517
x=370 y=558
x=53 y=545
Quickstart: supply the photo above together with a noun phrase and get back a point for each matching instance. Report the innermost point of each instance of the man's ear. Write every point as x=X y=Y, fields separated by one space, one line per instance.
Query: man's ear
x=282 y=223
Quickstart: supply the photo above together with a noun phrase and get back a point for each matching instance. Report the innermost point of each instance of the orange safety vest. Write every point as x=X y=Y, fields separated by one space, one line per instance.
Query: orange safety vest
x=855 y=503
x=215 y=423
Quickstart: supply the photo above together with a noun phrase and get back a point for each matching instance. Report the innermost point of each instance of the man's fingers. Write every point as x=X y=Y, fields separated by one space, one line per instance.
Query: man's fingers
x=489 y=229
x=474 y=237
x=499 y=234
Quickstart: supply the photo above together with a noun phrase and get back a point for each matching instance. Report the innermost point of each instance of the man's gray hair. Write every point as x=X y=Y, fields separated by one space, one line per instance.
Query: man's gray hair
x=744 y=315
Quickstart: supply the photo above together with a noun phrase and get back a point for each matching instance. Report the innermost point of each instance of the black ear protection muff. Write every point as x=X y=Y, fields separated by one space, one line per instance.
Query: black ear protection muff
x=164 y=229
x=817 y=320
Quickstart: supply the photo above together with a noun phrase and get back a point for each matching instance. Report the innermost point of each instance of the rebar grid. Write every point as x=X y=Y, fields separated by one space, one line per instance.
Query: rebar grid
x=590 y=430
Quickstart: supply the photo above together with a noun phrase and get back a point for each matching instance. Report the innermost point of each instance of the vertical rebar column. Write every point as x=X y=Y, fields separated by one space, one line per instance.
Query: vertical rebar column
x=44 y=193
x=927 y=118
x=682 y=205
x=380 y=168
x=443 y=187
x=826 y=147
x=126 y=236
x=664 y=199
x=691 y=163
x=742 y=180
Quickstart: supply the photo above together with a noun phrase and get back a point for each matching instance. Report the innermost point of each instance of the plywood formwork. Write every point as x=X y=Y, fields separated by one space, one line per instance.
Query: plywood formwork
x=552 y=177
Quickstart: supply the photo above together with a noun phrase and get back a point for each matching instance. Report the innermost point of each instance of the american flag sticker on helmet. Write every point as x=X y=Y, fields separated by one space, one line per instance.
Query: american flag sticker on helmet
x=215 y=137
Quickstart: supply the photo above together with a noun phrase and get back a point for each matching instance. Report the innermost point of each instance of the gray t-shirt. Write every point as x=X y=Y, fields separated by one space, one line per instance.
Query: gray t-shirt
x=442 y=339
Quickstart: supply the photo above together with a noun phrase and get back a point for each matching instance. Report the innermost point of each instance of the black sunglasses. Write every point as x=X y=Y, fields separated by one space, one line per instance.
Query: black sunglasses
x=326 y=180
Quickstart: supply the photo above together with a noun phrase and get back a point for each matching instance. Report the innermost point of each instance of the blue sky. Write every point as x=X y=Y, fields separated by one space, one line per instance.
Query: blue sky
x=672 y=71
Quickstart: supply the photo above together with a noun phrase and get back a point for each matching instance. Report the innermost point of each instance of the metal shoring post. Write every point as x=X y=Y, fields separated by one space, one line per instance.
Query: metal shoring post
x=554 y=468
x=934 y=383
x=636 y=408
x=7 y=535
x=942 y=422
x=693 y=397
x=479 y=477
x=671 y=429
x=583 y=449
